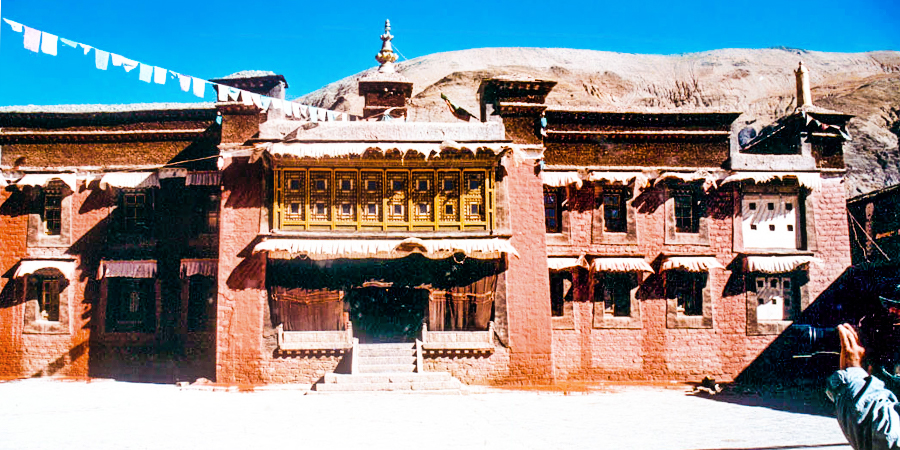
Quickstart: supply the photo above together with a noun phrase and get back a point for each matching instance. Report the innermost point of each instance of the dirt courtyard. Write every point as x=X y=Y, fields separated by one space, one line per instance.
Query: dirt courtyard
x=53 y=414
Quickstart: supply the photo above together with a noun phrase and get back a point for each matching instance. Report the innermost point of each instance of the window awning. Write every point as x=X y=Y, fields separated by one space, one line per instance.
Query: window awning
x=555 y=263
x=621 y=265
x=709 y=179
x=205 y=178
x=776 y=264
x=691 y=263
x=127 y=269
x=319 y=249
x=344 y=149
x=810 y=181
x=640 y=180
x=204 y=267
x=67 y=268
x=129 y=180
x=560 y=179
x=172 y=172
x=43 y=179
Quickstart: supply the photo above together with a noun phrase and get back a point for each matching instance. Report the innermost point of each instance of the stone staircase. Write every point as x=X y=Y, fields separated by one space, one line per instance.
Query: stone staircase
x=388 y=367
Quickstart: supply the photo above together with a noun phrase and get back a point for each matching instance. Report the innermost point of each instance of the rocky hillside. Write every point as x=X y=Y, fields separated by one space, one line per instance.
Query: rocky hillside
x=759 y=83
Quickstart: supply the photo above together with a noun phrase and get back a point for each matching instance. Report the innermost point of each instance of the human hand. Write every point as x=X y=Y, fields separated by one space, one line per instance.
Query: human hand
x=852 y=351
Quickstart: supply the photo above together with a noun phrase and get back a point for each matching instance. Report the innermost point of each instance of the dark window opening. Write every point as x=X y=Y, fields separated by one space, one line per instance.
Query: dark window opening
x=422 y=186
x=208 y=214
x=53 y=212
x=687 y=289
x=687 y=211
x=398 y=185
x=346 y=185
x=201 y=303
x=131 y=305
x=560 y=292
x=136 y=213
x=46 y=290
x=613 y=291
x=614 y=213
x=554 y=200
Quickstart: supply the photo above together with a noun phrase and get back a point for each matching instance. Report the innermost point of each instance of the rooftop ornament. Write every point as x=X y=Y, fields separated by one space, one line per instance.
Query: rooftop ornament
x=386 y=57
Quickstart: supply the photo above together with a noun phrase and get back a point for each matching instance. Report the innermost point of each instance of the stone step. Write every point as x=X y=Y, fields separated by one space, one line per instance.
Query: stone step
x=386 y=350
x=453 y=385
x=380 y=360
x=426 y=377
x=387 y=368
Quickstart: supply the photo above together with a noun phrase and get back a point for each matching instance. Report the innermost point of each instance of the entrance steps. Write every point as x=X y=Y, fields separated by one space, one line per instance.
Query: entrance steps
x=388 y=367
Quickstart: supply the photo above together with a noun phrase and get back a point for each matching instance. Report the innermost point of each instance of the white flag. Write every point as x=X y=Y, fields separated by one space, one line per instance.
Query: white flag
x=159 y=75
x=295 y=109
x=246 y=98
x=101 y=58
x=222 y=91
x=287 y=107
x=234 y=94
x=184 y=81
x=313 y=114
x=199 y=87
x=32 y=39
x=87 y=48
x=65 y=41
x=48 y=43
x=276 y=104
x=146 y=73
x=16 y=26
x=264 y=102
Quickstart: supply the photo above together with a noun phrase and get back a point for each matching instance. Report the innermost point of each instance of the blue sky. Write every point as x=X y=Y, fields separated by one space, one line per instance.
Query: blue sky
x=314 y=43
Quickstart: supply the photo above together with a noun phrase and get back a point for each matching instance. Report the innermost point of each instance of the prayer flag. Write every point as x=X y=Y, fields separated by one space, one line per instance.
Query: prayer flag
x=48 y=43
x=457 y=111
x=287 y=108
x=246 y=98
x=276 y=104
x=65 y=41
x=159 y=75
x=101 y=59
x=146 y=72
x=16 y=26
x=264 y=102
x=199 y=87
x=119 y=60
x=329 y=116
x=223 y=92
x=32 y=39
x=87 y=48
x=185 y=82
x=313 y=114
x=295 y=110
x=234 y=94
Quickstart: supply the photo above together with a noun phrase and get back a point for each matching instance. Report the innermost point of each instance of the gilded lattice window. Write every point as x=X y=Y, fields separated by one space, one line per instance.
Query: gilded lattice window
x=345 y=197
x=319 y=196
x=474 y=196
x=423 y=196
x=371 y=194
x=294 y=202
x=448 y=196
x=382 y=199
x=396 y=193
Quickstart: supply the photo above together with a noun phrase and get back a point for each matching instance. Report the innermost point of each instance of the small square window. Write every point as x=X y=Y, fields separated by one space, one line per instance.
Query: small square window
x=475 y=209
x=790 y=227
x=295 y=185
x=346 y=185
x=398 y=210
x=760 y=283
x=449 y=184
x=423 y=208
x=295 y=208
x=474 y=184
x=346 y=209
x=788 y=206
x=321 y=185
x=320 y=208
x=372 y=185
x=771 y=206
x=398 y=185
x=422 y=186
x=448 y=209
x=372 y=208
x=771 y=227
x=752 y=226
x=752 y=206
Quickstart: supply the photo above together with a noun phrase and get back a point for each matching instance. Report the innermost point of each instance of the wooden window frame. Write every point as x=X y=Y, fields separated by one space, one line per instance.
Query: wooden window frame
x=602 y=316
x=676 y=316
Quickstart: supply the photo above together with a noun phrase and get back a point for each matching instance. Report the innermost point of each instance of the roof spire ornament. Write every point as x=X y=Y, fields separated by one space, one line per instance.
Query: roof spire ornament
x=386 y=56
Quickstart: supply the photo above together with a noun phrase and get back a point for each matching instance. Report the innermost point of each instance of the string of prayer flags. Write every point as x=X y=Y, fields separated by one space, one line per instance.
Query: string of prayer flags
x=43 y=42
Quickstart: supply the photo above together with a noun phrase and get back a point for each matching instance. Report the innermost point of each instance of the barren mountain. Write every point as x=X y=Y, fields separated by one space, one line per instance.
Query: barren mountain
x=759 y=83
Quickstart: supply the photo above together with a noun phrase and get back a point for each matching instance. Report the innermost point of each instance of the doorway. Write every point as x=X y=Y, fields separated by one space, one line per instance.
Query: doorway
x=392 y=314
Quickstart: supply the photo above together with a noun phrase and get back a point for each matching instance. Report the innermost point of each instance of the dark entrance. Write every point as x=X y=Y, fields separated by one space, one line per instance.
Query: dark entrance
x=391 y=314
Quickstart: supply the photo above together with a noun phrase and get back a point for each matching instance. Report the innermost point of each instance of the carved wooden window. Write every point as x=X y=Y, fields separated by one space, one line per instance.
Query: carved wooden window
x=53 y=211
x=474 y=197
x=136 y=212
x=687 y=288
x=320 y=196
x=397 y=196
x=448 y=196
x=613 y=292
x=614 y=209
x=554 y=198
x=687 y=210
x=294 y=197
x=345 y=197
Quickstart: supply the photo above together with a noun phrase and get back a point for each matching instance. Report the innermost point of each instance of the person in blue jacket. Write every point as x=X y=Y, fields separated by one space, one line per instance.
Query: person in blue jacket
x=863 y=390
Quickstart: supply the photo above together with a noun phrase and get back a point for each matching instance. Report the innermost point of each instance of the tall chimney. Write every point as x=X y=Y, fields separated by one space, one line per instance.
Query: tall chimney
x=804 y=97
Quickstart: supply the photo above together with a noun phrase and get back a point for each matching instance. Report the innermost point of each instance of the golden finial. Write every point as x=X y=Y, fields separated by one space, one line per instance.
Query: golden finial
x=386 y=56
